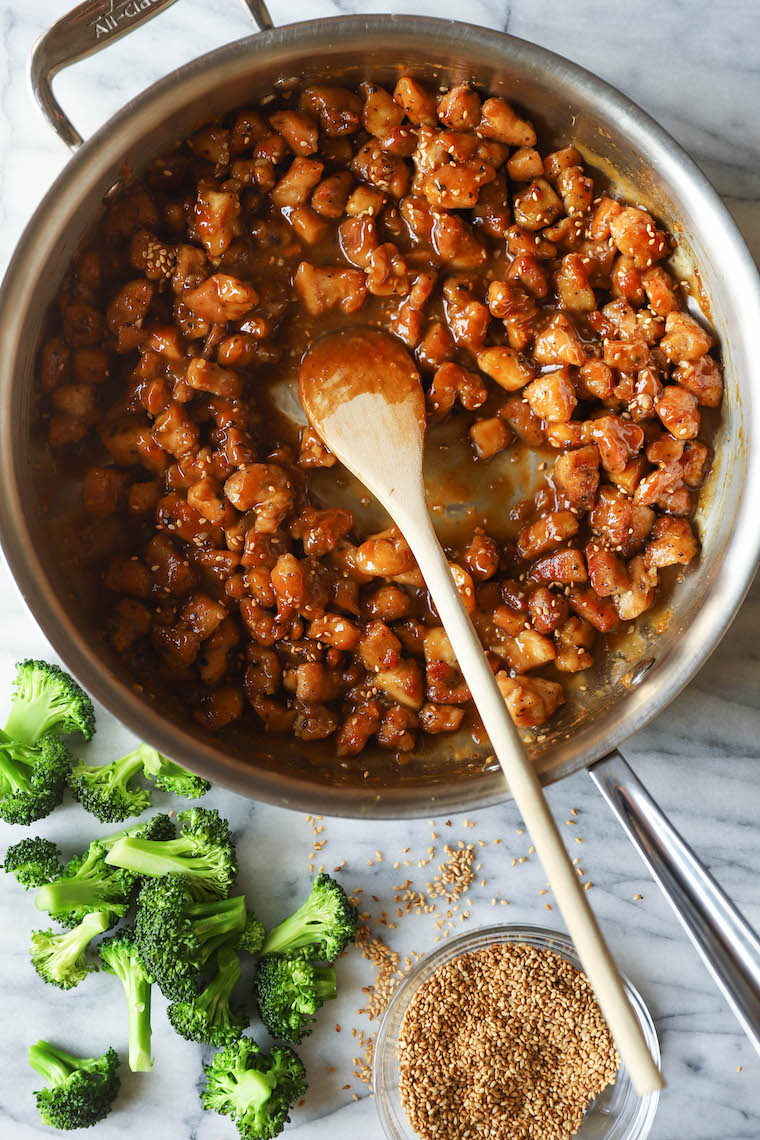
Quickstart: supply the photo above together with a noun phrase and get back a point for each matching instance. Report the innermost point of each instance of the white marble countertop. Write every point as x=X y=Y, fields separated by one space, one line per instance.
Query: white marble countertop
x=691 y=65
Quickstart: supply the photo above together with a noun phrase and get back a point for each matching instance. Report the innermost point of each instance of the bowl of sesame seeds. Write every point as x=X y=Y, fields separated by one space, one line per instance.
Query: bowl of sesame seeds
x=497 y=1036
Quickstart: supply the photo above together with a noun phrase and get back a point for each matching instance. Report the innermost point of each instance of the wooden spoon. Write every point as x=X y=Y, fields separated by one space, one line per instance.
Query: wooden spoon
x=363 y=396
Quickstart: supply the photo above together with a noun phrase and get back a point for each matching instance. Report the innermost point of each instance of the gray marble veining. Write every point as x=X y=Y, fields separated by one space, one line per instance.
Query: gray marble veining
x=694 y=66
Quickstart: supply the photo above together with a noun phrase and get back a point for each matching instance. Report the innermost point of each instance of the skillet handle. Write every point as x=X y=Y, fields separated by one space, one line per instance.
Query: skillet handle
x=88 y=28
x=725 y=941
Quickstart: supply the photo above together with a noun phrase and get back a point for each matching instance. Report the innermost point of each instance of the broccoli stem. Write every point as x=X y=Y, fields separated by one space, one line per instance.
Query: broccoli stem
x=154 y=856
x=34 y=715
x=325 y=983
x=216 y=922
x=218 y=992
x=68 y=894
x=137 y=989
x=295 y=932
x=249 y=1088
x=54 y=1064
x=12 y=778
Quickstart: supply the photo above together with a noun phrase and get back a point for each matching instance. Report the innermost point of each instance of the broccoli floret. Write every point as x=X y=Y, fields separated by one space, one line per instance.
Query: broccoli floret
x=322 y=927
x=208 y=1017
x=257 y=1090
x=289 y=992
x=120 y=956
x=203 y=853
x=157 y=827
x=32 y=778
x=82 y=1090
x=33 y=861
x=60 y=958
x=47 y=700
x=171 y=777
x=176 y=935
x=87 y=885
x=252 y=937
x=109 y=791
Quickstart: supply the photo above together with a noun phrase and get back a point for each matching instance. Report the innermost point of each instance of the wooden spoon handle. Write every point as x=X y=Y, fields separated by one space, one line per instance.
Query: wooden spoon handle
x=525 y=786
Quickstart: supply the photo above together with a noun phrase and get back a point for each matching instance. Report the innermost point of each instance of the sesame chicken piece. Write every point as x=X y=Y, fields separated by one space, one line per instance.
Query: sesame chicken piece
x=537 y=205
x=672 y=543
x=552 y=396
x=330 y=196
x=322 y=288
x=296 y=185
x=523 y=421
x=661 y=291
x=492 y=213
x=129 y=622
x=519 y=311
x=623 y=523
x=457 y=243
x=528 y=650
x=128 y=576
x=546 y=533
x=565 y=566
x=573 y=288
x=457 y=185
x=598 y=612
x=217 y=217
x=499 y=120
x=321 y=531
x=694 y=461
x=313 y=452
x=489 y=436
x=314 y=721
x=607 y=572
x=527 y=269
x=151 y=256
x=365 y=201
x=559 y=343
x=703 y=378
x=385 y=554
x=378 y=647
x=204 y=376
x=639 y=595
x=573 y=640
x=388 y=173
x=525 y=164
x=576 y=190
x=265 y=488
x=481 y=558
x=207 y=497
x=618 y=440
x=459 y=108
x=337 y=108
x=212 y=143
x=576 y=474
x=685 y=339
x=506 y=366
x=452 y=381
x=221 y=298
x=601 y=217
x=403 y=683
x=357 y=728
x=531 y=700
x=435 y=719
x=547 y=610
x=417 y=103
x=175 y=431
x=130 y=305
x=634 y=233
x=299 y=130
x=679 y=411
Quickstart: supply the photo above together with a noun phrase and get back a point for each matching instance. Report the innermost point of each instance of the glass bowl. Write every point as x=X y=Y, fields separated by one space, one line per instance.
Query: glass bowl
x=616 y=1114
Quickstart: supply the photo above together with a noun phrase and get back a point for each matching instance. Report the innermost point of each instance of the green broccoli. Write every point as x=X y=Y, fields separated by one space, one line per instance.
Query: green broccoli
x=88 y=884
x=109 y=791
x=322 y=927
x=208 y=1017
x=33 y=861
x=252 y=936
x=256 y=1090
x=203 y=853
x=47 y=700
x=289 y=992
x=157 y=827
x=176 y=935
x=169 y=776
x=82 y=1089
x=120 y=956
x=32 y=778
x=60 y=958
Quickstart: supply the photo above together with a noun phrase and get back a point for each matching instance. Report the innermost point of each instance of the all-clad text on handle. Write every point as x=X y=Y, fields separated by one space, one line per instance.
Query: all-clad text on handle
x=88 y=28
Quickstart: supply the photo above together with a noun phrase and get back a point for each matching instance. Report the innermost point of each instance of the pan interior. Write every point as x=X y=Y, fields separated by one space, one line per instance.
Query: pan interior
x=639 y=674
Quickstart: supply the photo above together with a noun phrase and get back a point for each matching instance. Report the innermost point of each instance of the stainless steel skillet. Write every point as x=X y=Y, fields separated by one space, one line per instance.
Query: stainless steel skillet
x=628 y=688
